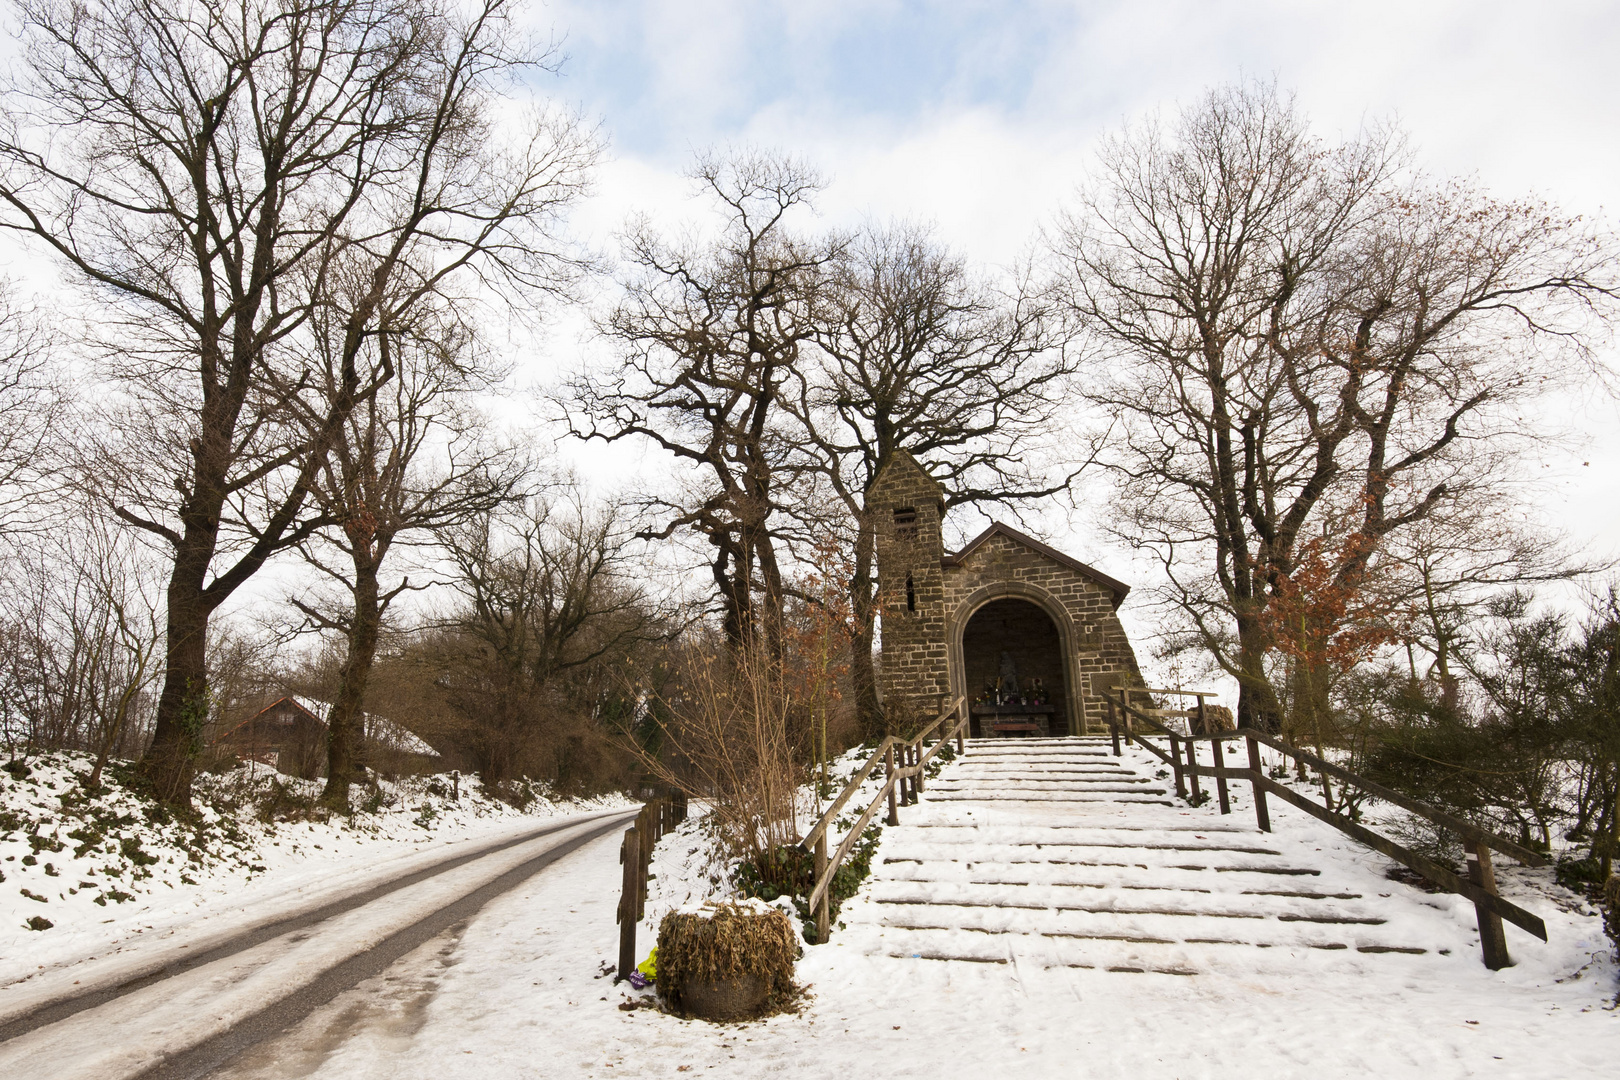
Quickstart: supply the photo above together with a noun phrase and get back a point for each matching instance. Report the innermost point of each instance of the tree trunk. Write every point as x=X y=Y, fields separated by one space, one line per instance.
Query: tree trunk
x=731 y=580
x=1258 y=706
x=1612 y=839
x=863 y=605
x=771 y=615
x=184 y=704
x=343 y=723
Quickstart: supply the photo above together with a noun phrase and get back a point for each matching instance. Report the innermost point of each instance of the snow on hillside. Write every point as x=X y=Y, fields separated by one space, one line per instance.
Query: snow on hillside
x=81 y=873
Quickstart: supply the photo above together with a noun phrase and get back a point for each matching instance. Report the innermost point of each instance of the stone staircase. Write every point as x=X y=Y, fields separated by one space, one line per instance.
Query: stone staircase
x=1053 y=852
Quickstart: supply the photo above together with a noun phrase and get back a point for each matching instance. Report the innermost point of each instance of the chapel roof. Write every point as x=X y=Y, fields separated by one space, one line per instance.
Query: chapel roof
x=902 y=466
x=1117 y=587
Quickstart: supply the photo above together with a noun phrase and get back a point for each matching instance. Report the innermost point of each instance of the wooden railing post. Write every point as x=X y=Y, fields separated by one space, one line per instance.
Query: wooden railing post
x=916 y=754
x=1125 y=707
x=824 y=908
x=1113 y=726
x=1220 y=763
x=644 y=832
x=888 y=767
x=1492 y=942
x=630 y=856
x=1262 y=815
x=1192 y=775
x=1175 y=766
x=962 y=715
x=641 y=876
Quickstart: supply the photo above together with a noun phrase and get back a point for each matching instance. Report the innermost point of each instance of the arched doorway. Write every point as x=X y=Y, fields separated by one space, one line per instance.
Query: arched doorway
x=1013 y=638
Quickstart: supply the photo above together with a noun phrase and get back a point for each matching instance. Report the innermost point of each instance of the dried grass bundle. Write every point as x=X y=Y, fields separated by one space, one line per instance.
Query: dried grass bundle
x=697 y=950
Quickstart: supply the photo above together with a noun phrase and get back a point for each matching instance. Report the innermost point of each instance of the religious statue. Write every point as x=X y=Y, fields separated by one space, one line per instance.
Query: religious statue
x=1009 y=678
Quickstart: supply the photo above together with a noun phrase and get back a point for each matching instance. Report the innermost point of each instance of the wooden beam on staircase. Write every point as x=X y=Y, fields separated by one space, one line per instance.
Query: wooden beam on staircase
x=1430 y=869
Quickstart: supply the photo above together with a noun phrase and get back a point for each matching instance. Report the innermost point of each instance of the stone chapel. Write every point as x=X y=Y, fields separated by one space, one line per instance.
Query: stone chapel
x=1029 y=636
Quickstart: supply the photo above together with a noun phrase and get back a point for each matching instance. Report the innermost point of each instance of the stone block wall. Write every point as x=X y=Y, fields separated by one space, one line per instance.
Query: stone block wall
x=1101 y=653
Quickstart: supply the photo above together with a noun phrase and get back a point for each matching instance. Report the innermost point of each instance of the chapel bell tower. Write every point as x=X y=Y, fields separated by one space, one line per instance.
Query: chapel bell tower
x=907 y=509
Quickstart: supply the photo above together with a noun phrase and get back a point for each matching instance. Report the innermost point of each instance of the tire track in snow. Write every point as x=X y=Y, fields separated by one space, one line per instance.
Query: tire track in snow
x=120 y=980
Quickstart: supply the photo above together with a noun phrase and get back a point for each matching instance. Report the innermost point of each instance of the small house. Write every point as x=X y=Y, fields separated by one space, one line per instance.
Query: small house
x=284 y=735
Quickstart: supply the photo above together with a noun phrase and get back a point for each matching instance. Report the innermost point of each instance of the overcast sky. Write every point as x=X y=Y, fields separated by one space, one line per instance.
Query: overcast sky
x=981 y=117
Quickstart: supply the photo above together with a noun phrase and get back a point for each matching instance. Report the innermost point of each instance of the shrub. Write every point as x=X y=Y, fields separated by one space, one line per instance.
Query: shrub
x=791 y=872
x=725 y=731
x=1582 y=875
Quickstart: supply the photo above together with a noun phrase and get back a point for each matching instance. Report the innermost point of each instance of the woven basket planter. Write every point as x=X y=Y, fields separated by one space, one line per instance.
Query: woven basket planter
x=727 y=962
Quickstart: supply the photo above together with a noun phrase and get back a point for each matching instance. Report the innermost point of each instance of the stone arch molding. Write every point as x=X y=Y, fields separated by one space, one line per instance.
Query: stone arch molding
x=1068 y=641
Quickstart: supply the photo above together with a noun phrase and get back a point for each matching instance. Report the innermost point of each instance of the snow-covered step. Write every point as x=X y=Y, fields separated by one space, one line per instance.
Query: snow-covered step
x=1135 y=954
x=1055 y=853
x=1066 y=896
x=1146 y=925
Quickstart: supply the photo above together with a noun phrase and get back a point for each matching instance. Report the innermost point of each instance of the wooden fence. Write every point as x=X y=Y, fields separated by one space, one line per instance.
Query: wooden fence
x=903 y=780
x=1182 y=757
x=657 y=817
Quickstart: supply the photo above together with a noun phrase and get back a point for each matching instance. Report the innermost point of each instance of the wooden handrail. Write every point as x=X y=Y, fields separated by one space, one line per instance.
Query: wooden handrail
x=831 y=813
x=820 y=894
x=1430 y=869
x=656 y=817
x=1467 y=830
x=1480 y=885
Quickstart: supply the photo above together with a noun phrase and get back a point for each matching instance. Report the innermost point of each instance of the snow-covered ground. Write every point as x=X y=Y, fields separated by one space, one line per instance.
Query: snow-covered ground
x=111 y=872
x=525 y=990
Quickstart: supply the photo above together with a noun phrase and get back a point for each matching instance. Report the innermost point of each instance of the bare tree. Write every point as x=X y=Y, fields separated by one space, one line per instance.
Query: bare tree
x=207 y=169
x=544 y=597
x=410 y=463
x=919 y=354
x=712 y=336
x=1297 y=340
x=1440 y=577
x=82 y=629
x=30 y=408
